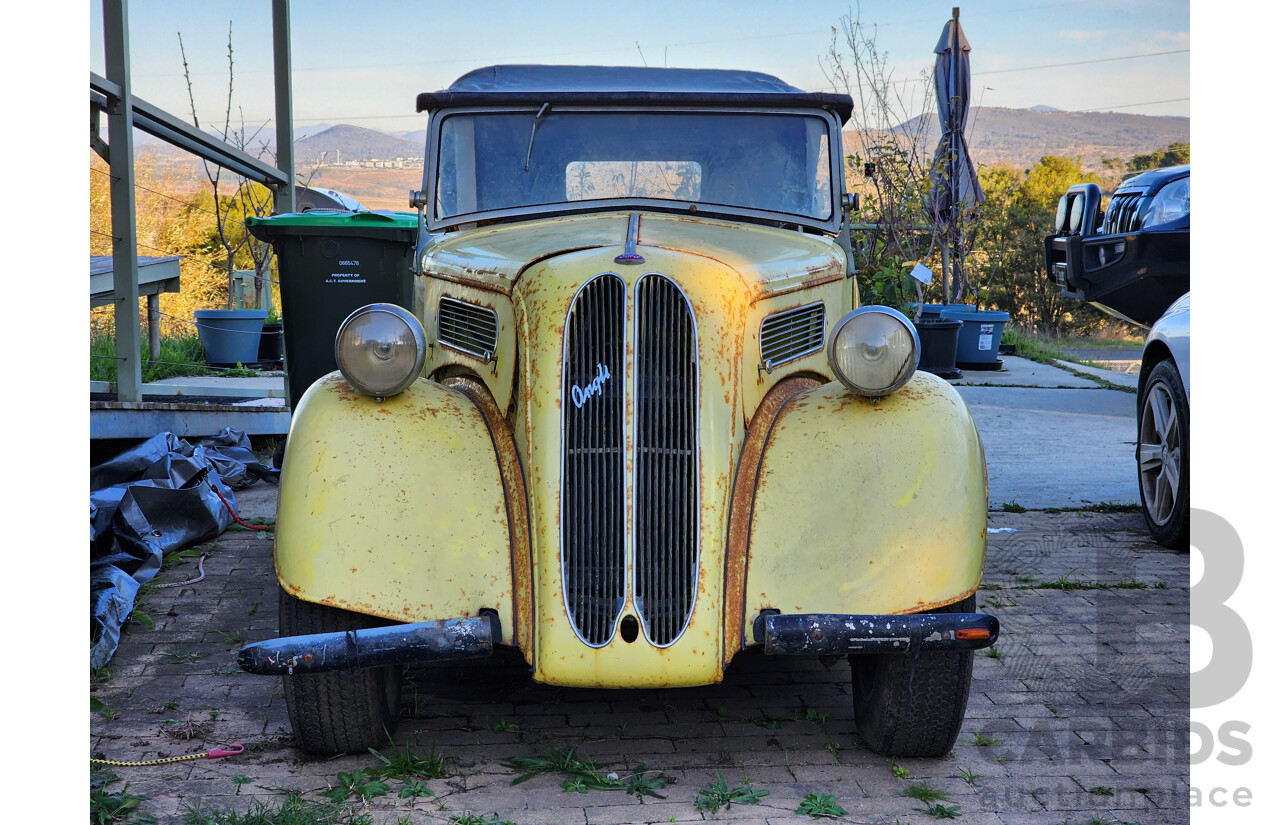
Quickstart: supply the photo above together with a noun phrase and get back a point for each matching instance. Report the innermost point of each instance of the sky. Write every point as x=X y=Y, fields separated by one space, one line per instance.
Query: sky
x=364 y=63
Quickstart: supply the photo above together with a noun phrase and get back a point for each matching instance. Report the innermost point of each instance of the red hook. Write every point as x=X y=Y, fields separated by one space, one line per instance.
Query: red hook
x=218 y=753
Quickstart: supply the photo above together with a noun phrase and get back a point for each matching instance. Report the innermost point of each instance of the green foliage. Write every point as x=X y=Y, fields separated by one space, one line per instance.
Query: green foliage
x=1013 y=507
x=969 y=776
x=403 y=763
x=1102 y=790
x=107 y=808
x=983 y=741
x=820 y=806
x=1175 y=154
x=583 y=775
x=923 y=793
x=292 y=810
x=718 y=794
x=356 y=784
x=1007 y=263
x=414 y=788
x=180 y=356
x=940 y=811
x=469 y=818
x=900 y=772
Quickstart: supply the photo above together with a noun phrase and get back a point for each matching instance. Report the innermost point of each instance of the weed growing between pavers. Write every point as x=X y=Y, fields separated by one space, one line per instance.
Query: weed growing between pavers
x=718 y=794
x=404 y=764
x=111 y=807
x=583 y=775
x=820 y=806
x=469 y=818
x=923 y=793
x=356 y=784
x=292 y=810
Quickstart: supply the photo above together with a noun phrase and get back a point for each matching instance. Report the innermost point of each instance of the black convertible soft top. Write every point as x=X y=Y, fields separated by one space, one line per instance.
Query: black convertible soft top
x=527 y=85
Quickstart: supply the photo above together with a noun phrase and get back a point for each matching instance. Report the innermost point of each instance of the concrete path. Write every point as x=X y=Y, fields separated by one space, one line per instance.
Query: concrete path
x=1054 y=438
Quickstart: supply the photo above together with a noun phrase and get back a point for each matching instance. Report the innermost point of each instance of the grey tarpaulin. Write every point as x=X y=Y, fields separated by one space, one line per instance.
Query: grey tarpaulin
x=149 y=501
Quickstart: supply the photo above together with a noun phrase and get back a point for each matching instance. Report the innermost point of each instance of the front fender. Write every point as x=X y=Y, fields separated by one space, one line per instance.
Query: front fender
x=394 y=508
x=866 y=506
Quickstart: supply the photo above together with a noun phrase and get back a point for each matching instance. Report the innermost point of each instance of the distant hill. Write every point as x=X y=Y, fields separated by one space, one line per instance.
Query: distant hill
x=343 y=142
x=1021 y=137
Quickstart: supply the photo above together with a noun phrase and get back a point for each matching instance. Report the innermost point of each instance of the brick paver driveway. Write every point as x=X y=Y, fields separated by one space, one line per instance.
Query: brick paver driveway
x=1081 y=717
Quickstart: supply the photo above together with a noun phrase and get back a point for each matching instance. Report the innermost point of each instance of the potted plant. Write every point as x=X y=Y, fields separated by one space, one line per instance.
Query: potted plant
x=893 y=285
x=271 y=345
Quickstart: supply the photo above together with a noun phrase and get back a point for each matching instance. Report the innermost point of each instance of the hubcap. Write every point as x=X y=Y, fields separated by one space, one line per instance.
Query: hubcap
x=1159 y=454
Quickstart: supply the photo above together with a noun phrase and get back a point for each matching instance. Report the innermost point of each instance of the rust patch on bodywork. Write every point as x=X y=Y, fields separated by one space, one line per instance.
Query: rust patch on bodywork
x=744 y=489
x=517 y=504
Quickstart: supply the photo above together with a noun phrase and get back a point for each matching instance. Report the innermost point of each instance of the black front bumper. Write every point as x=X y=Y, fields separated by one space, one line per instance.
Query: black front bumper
x=828 y=634
x=1135 y=276
x=402 y=644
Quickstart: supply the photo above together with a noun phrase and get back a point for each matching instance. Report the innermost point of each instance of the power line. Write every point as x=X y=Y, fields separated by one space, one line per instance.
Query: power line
x=137 y=185
x=1132 y=105
x=1083 y=62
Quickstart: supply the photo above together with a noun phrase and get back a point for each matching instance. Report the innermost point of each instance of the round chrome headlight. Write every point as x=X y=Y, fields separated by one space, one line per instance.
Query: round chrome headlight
x=380 y=349
x=874 y=350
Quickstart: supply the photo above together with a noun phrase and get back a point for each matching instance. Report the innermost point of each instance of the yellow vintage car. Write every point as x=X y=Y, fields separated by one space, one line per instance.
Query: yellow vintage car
x=635 y=423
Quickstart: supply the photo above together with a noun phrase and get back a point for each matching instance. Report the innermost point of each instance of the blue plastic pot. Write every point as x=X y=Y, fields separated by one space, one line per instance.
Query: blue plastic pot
x=979 y=343
x=230 y=336
x=934 y=310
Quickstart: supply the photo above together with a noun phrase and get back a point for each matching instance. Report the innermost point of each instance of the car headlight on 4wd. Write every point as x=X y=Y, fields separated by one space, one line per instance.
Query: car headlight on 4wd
x=380 y=349
x=874 y=350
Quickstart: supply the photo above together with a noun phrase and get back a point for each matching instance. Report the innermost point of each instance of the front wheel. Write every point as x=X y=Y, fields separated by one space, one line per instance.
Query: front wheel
x=341 y=711
x=912 y=705
x=1164 y=456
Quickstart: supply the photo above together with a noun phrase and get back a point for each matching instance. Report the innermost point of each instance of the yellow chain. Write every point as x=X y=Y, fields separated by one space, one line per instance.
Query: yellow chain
x=148 y=762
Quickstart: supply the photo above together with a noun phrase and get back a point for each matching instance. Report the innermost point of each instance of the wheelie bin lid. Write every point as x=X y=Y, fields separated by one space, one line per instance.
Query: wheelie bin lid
x=381 y=224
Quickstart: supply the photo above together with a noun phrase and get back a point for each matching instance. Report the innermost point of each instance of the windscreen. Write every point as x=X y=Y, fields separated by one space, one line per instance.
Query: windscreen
x=490 y=161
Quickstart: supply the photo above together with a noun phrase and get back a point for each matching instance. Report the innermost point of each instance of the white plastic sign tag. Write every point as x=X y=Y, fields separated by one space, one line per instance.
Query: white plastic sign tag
x=922 y=274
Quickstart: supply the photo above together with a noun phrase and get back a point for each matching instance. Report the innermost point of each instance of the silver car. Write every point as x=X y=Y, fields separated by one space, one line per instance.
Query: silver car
x=1164 y=426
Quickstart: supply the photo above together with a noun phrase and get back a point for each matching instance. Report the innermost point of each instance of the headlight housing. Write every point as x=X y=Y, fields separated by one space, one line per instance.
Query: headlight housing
x=874 y=350
x=1170 y=203
x=380 y=349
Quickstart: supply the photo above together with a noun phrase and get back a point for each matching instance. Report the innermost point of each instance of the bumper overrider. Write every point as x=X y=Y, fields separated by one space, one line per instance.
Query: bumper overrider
x=800 y=634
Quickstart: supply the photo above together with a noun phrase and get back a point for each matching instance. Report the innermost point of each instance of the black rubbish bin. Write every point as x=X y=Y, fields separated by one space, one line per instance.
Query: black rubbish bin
x=331 y=264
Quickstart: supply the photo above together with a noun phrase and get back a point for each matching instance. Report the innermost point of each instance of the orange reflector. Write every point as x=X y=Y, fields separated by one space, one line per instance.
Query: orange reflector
x=973 y=633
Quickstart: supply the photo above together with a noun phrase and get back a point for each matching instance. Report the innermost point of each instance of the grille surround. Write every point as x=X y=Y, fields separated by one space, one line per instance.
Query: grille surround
x=667 y=460
x=468 y=328
x=593 y=557
x=792 y=333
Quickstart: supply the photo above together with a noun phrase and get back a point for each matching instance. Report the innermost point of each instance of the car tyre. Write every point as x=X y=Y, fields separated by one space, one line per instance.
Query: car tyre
x=341 y=711
x=912 y=706
x=1163 y=456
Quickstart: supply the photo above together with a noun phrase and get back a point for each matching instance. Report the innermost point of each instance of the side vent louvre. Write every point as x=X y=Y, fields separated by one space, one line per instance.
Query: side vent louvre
x=467 y=328
x=787 y=335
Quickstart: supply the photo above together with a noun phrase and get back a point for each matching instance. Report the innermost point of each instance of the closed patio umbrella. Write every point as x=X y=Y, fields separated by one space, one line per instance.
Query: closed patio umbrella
x=955 y=181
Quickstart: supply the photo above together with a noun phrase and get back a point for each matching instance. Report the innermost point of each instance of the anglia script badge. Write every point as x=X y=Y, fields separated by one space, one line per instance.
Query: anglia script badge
x=594 y=387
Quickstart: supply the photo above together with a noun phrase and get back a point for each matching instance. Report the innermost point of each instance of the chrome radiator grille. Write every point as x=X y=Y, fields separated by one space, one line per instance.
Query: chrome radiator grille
x=666 y=465
x=792 y=333
x=593 y=561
